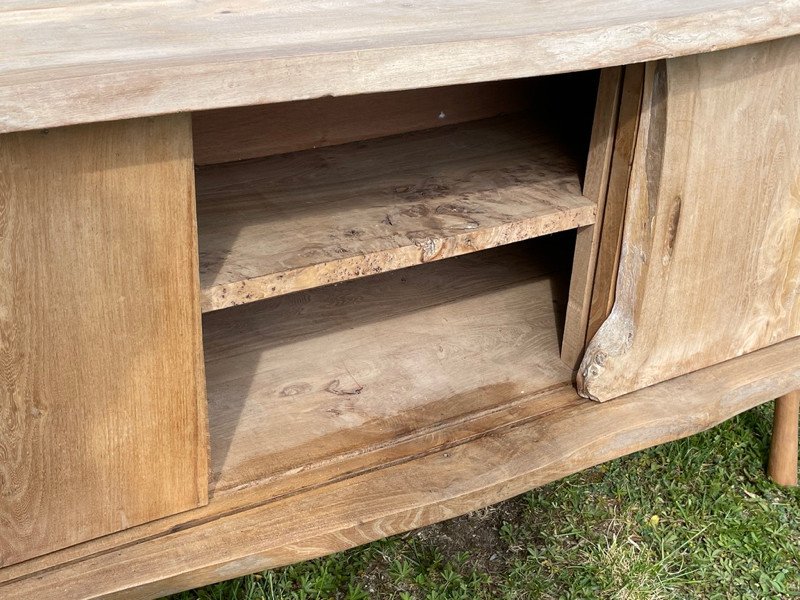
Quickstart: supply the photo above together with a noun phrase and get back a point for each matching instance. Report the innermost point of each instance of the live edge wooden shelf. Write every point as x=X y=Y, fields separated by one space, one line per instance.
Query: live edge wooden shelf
x=380 y=274
x=295 y=221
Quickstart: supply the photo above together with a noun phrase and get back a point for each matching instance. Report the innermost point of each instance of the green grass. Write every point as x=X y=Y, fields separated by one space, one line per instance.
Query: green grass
x=694 y=518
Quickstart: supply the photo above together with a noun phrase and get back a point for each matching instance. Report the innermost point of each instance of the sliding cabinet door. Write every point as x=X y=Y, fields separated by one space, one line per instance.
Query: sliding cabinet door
x=709 y=265
x=102 y=401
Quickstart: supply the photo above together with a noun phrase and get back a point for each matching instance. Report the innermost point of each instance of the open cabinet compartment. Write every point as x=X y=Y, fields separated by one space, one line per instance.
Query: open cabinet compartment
x=307 y=384
x=288 y=222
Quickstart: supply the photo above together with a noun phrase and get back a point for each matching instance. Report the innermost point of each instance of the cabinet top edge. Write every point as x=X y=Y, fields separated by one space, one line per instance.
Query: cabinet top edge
x=64 y=62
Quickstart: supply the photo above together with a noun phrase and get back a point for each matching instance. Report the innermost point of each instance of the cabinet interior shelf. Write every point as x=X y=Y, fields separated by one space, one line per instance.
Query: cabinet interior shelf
x=303 y=385
x=295 y=221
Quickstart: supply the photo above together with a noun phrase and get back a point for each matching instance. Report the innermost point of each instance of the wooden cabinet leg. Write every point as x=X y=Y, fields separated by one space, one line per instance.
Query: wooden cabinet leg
x=783 y=451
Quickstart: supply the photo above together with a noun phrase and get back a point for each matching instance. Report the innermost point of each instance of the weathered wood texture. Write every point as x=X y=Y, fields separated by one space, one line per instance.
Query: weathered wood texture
x=102 y=406
x=531 y=442
x=240 y=133
x=66 y=62
x=292 y=222
x=783 y=446
x=710 y=261
x=336 y=372
x=595 y=185
x=597 y=250
x=610 y=243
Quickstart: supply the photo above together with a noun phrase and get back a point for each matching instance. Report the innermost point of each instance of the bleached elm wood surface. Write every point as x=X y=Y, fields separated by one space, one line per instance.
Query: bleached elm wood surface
x=290 y=222
x=250 y=418
x=102 y=396
x=531 y=442
x=612 y=229
x=710 y=262
x=597 y=249
x=64 y=62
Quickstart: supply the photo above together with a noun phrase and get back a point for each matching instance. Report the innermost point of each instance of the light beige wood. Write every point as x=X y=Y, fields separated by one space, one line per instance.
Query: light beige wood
x=610 y=244
x=102 y=406
x=783 y=447
x=536 y=440
x=292 y=222
x=226 y=135
x=67 y=62
x=595 y=184
x=339 y=371
x=710 y=260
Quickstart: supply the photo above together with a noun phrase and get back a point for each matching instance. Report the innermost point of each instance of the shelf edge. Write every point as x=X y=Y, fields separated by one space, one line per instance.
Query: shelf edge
x=423 y=251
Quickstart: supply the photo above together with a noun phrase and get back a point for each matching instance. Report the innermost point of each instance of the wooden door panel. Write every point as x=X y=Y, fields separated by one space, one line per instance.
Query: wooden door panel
x=710 y=259
x=102 y=401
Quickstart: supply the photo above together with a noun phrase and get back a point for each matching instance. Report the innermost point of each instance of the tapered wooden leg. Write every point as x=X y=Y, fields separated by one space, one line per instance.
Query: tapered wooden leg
x=783 y=451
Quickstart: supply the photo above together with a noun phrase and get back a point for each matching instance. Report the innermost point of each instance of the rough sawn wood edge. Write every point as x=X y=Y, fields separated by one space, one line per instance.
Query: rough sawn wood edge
x=598 y=167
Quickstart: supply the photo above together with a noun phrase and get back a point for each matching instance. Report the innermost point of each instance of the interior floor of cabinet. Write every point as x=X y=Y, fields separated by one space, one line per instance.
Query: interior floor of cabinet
x=309 y=387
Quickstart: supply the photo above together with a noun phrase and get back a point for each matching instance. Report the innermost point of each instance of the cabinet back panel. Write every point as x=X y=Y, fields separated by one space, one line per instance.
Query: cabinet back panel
x=254 y=131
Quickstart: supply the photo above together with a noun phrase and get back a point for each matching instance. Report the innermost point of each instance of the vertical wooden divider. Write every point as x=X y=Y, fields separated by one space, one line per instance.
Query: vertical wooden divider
x=588 y=239
x=597 y=248
x=102 y=393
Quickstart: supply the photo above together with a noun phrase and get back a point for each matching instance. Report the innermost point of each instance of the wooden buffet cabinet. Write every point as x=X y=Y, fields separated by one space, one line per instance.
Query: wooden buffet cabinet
x=281 y=278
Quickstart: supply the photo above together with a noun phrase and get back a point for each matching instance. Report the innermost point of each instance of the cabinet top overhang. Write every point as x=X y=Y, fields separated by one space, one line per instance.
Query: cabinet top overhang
x=64 y=62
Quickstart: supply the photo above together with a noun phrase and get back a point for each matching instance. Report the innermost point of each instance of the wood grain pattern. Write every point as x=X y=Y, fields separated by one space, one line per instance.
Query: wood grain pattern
x=595 y=184
x=597 y=250
x=102 y=406
x=240 y=133
x=783 y=446
x=550 y=437
x=710 y=262
x=67 y=62
x=346 y=370
x=292 y=222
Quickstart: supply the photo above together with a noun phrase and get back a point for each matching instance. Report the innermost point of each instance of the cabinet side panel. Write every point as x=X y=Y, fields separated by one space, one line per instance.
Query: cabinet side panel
x=102 y=407
x=710 y=259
